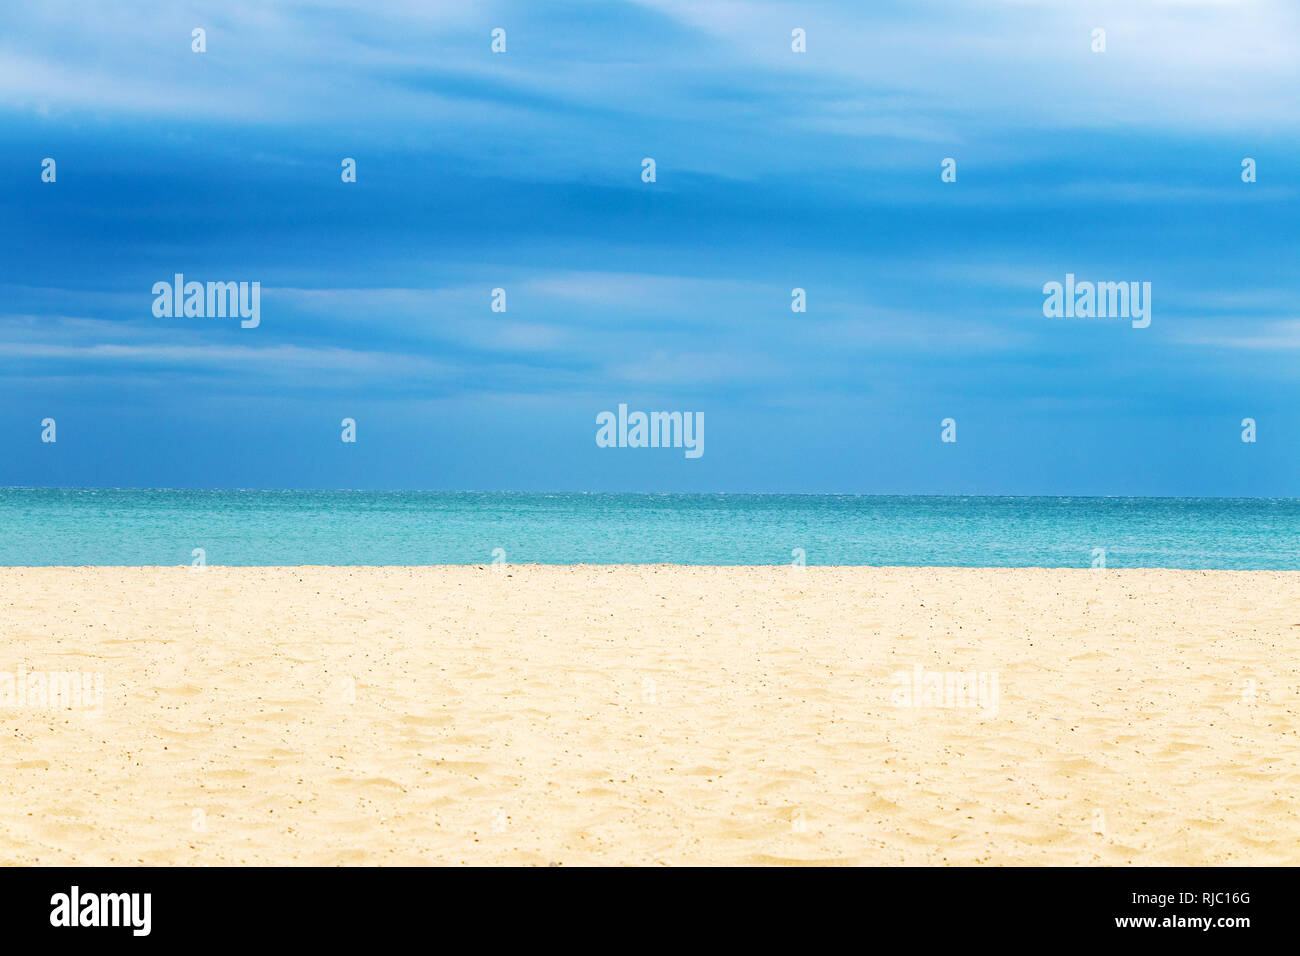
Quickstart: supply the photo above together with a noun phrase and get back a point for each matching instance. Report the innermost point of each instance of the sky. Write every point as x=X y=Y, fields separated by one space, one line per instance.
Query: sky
x=774 y=170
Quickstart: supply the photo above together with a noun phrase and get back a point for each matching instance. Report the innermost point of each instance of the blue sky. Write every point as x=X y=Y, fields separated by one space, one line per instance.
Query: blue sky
x=775 y=170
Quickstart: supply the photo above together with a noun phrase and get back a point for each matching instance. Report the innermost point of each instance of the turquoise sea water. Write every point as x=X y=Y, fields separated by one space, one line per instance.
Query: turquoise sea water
x=132 y=527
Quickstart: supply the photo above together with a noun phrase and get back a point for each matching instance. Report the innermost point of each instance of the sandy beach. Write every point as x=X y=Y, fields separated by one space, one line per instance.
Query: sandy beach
x=650 y=715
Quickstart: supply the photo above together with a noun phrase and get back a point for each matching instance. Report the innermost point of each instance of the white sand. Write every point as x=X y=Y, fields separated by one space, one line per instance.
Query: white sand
x=646 y=715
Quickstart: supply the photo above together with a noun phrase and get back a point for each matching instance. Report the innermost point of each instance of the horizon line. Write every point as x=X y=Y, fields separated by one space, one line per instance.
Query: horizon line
x=658 y=494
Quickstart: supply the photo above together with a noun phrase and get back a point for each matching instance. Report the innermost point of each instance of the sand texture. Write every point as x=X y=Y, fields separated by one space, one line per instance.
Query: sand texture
x=651 y=715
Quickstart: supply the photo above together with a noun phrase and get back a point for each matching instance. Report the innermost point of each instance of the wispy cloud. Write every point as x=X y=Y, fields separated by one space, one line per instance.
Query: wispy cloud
x=1279 y=334
x=292 y=356
x=776 y=170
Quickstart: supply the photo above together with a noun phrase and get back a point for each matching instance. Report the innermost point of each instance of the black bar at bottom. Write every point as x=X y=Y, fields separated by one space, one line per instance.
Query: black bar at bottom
x=1167 y=906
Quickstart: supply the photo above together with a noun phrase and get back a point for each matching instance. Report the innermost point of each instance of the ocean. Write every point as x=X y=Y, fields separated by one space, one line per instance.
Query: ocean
x=48 y=527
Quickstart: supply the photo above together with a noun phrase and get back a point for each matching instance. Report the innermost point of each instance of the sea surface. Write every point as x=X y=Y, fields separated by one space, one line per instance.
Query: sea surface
x=42 y=527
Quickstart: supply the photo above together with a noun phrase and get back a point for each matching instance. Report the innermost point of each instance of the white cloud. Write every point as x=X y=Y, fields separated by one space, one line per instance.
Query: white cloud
x=915 y=70
x=1278 y=334
x=278 y=356
x=1190 y=65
